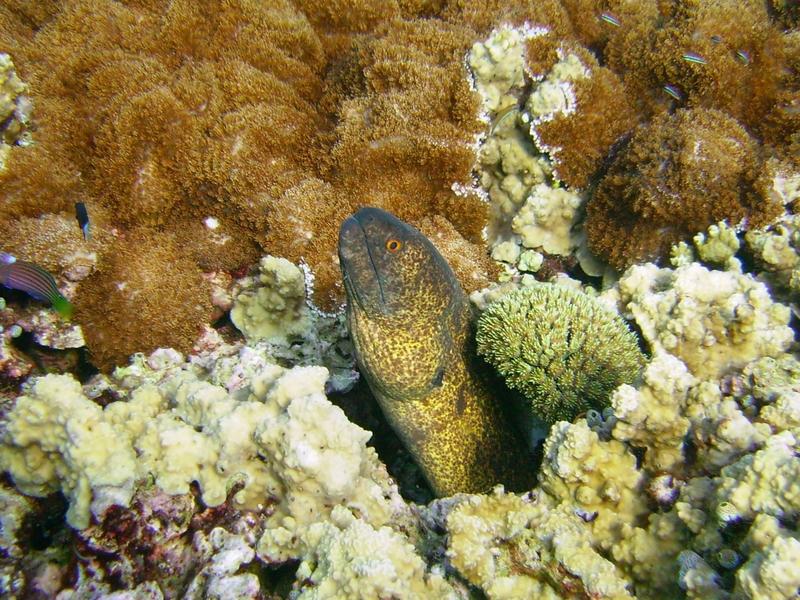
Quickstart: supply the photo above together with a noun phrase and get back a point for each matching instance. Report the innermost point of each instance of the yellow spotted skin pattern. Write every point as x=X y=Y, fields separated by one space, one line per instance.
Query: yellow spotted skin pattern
x=412 y=327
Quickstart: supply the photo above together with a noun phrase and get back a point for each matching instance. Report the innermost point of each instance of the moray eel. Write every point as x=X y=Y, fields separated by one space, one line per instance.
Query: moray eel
x=412 y=327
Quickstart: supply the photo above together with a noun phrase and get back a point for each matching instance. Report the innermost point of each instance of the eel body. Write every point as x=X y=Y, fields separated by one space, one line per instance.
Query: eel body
x=412 y=327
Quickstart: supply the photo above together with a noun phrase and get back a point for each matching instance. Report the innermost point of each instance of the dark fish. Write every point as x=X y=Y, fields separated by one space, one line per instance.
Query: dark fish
x=33 y=280
x=83 y=220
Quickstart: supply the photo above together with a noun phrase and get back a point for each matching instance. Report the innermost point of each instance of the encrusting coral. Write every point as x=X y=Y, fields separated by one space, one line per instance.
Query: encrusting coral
x=560 y=348
x=274 y=306
x=521 y=547
x=776 y=250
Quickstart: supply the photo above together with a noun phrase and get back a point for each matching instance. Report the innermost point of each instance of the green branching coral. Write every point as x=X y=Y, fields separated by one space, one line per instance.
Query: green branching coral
x=560 y=348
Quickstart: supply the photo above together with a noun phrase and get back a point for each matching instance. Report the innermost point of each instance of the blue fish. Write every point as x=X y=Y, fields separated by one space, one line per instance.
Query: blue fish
x=743 y=57
x=693 y=57
x=83 y=220
x=610 y=19
x=673 y=91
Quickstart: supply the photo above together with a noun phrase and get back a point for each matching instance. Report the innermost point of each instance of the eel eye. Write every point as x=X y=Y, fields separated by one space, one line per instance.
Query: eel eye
x=393 y=245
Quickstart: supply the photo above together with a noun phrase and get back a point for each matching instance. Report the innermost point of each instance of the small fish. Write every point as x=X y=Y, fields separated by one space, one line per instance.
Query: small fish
x=716 y=39
x=501 y=116
x=33 y=280
x=610 y=19
x=83 y=220
x=587 y=516
x=674 y=92
x=694 y=57
x=743 y=56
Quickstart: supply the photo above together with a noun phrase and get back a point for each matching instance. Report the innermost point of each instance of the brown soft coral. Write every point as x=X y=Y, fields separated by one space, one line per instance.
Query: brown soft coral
x=679 y=174
x=412 y=133
x=237 y=128
x=471 y=264
x=121 y=306
x=232 y=129
x=580 y=139
x=722 y=55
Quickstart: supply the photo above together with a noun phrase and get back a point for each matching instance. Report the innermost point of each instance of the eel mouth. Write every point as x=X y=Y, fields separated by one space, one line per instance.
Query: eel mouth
x=359 y=273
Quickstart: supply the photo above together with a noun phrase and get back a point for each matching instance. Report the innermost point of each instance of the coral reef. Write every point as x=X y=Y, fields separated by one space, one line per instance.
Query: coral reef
x=201 y=137
x=648 y=416
x=132 y=282
x=275 y=137
x=272 y=311
x=273 y=307
x=560 y=120
x=181 y=432
x=601 y=522
x=263 y=145
x=560 y=348
x=576 y=111
x=350 y=559
x=776 y=250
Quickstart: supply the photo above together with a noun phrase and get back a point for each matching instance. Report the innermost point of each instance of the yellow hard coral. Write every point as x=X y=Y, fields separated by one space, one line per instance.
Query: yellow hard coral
x=714 y=321
x=524 y=546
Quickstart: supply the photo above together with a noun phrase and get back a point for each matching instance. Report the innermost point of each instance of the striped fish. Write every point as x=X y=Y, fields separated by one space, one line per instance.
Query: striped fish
x=33 y=280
